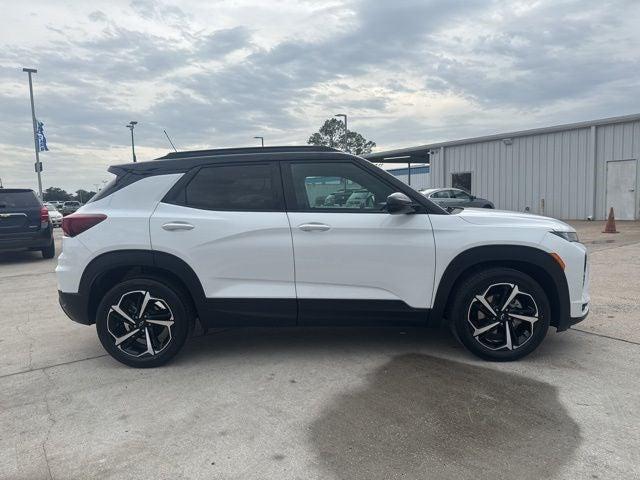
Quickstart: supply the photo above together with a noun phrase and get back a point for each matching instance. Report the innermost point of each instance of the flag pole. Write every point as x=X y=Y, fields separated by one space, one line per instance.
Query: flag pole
x=35 y=131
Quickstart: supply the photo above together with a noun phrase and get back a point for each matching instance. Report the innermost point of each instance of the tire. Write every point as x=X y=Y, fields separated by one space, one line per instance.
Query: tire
x=165 y=303
x=50 y=251
x=495 y=286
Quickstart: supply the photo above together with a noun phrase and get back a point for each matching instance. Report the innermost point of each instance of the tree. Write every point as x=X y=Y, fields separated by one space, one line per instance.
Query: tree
x=53 y=194
x=83 y=196
x=331 y=134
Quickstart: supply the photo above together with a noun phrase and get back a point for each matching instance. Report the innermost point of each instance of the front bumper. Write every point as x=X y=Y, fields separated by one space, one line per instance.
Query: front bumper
x=574 y=320
x=76 y=307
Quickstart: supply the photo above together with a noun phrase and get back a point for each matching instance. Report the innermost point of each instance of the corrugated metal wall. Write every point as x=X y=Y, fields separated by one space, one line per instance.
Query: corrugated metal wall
x=557 y=169
x=420 y=176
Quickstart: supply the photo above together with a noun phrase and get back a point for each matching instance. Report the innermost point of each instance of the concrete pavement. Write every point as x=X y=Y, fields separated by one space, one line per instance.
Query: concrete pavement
x=318 y=403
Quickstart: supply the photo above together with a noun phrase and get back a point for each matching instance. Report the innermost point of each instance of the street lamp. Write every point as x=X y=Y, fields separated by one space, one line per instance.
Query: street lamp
x=131 y=126
x=261 y=140
x=30 y=71
x=346 y=131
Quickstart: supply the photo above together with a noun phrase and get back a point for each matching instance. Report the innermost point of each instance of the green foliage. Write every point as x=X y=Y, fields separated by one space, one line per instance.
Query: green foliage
x=332 y=133
x=83 y=196
x=53 y=194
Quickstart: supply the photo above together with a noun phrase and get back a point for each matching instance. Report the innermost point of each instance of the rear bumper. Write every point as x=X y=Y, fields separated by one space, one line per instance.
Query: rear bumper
x=75 y=306
x=26 y=241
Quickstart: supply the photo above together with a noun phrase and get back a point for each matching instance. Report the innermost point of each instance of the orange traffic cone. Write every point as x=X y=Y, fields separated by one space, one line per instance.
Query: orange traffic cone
x=610 y=227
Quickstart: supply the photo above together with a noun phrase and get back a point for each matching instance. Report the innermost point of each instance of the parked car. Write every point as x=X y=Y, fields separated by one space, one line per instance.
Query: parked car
x=360 y=199
x=54 y=215
x=236 y=237
x=338 y=198
x=454 y=197
x=24 y=222
x=70 y=207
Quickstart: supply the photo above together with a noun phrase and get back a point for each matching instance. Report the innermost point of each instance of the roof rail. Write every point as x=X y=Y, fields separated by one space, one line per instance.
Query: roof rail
x=239 y=151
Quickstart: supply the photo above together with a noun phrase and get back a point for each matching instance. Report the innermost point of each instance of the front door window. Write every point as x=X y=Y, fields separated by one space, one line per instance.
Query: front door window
x=338 y=186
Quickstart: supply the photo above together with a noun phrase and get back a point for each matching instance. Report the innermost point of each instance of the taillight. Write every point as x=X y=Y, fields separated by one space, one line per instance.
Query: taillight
x=44 y=215
x=76 y=223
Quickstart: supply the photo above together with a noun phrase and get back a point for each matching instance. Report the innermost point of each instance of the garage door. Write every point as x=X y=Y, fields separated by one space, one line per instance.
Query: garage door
x=621 y=189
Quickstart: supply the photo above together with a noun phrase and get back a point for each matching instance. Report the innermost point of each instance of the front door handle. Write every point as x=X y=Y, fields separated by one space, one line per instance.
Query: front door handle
x=314 y=227
x=173 y=226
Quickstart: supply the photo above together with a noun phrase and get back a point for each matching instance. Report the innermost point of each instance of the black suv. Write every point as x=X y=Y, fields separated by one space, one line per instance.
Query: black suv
x=24 y=222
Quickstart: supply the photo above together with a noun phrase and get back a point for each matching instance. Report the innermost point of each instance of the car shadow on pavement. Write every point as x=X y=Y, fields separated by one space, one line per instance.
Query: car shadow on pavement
x=9 y=258
x=425 y=417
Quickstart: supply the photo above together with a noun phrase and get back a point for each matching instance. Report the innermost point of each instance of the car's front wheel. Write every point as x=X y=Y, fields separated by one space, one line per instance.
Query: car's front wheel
x=143 y=323
x=500 y=314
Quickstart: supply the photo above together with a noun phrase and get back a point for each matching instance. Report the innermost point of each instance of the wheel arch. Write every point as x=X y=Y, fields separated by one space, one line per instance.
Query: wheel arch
x=108 y=269
x=535 y=262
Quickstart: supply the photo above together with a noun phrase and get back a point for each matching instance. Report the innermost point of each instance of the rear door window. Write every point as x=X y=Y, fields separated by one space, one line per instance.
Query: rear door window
x=250 y=187
x=461 y=195
x=441 y=194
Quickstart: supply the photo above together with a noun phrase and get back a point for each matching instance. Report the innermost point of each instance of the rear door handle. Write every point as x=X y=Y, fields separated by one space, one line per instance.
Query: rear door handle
x=173 y=226
x=314 y=227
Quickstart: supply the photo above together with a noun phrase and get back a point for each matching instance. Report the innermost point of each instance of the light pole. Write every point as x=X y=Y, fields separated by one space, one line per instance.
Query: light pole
x=35 y=130
x=131 y=126
x=346 y=131
x=261 y=140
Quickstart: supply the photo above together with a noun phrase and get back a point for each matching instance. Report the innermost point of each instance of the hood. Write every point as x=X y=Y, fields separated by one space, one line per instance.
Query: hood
x=485 y=216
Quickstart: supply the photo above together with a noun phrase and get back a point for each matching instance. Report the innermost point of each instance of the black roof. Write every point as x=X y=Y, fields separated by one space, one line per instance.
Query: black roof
x=183 y=161
x=245 y=150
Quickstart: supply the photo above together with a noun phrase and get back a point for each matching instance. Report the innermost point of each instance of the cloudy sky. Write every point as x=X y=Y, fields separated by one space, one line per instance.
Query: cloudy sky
x=216 y=73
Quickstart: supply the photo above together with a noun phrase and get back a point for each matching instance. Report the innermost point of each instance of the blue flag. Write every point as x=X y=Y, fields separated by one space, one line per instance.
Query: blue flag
x=42 y=140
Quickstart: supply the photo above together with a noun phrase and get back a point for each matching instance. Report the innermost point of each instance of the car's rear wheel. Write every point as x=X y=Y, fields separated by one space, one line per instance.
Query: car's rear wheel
x=500 y=314
x=143 y=323
x=50 y=251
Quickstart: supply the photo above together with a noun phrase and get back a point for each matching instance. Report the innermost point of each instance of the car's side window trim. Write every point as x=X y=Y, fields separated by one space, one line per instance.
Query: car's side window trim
x=177 y=194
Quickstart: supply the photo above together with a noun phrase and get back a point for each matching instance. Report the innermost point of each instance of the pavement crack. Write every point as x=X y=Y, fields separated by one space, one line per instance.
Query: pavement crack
x=605 y=336
x=52 y=366
x=19 y=275
x=51 y=421
x=31 y=344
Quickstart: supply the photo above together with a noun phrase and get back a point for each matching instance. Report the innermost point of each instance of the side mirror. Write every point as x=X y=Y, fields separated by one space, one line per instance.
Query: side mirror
x=398 y=203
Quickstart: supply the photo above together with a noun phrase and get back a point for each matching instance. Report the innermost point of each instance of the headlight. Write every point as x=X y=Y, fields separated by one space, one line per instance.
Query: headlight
x=568 y=236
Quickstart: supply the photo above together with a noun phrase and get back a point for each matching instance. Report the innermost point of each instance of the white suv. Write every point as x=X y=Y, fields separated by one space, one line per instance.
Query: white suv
x=244 y=237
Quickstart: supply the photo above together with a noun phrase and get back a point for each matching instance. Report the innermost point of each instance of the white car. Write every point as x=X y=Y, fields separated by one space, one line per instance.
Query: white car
x=241 y=237
x=54 y=215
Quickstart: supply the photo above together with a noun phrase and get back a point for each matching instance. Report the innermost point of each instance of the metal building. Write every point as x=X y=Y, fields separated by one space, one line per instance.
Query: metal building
x=569 y=171
x=417 y=176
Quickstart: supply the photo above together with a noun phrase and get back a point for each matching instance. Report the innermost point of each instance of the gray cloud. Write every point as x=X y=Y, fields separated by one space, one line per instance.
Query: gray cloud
x=220 y=86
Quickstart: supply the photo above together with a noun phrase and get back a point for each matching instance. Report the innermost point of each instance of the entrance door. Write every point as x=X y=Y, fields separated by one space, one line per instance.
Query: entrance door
x=621 y=189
